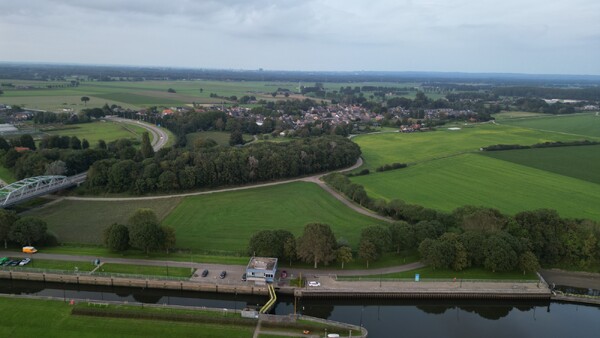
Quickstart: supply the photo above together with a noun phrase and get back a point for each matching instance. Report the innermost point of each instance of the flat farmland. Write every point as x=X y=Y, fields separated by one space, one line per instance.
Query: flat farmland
x=101 y=130
x=473 y=179
x=84 y=221
x=384 y=148
x=581 y=162
x=226 y=221
x=583 y=125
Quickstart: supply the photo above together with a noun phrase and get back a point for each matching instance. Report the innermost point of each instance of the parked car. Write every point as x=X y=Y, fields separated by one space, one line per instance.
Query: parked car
x=223 y=274
x=205 y=273
x=25 y=261
x=314 y=283
x=244 y=277
x=283 y=274
x=3 y=260
x=14 y=263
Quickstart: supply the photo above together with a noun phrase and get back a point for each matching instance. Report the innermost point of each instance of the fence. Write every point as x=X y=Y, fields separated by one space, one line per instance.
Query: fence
x=432 y=280
x=96 y=273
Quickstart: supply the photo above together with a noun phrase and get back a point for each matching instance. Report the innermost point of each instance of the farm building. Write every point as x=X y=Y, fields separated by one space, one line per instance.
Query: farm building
x=261 y=269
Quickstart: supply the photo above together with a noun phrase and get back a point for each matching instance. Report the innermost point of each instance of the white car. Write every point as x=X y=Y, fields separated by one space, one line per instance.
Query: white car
x=314 y=283
x=25 y=261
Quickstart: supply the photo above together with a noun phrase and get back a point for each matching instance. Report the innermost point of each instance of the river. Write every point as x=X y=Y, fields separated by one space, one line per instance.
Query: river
x=381 y=318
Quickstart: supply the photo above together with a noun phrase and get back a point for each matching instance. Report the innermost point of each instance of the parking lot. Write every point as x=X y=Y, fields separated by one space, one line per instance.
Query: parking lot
x=14 y=261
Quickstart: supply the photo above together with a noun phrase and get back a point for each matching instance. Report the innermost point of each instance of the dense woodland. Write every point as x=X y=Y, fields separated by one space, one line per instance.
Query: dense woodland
x=174 y=169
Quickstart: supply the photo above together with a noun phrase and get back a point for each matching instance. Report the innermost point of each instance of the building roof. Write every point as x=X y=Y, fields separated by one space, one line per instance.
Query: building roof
x=262 y=263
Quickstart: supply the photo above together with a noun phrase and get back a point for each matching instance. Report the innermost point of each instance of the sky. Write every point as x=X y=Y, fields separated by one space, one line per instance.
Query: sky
x=497 y=36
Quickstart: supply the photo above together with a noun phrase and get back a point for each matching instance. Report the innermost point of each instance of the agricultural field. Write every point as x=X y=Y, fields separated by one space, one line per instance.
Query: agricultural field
x=23 y=318
x=584 y=125
x=581 y=162
x=386 y=148
x=225 y=221
x=474 y=179
x=84 y=221
x=95 y=131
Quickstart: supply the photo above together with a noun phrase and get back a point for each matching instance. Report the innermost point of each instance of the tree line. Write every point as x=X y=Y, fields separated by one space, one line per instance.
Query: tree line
x=478 y=236
x=174 y=169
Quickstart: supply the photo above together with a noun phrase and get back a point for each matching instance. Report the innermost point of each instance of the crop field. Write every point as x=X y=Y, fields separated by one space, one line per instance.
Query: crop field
x=226 y=221
x=84 y=221
x=107 y=131
x=578 y=162
x=473 y=179
x=582 y=125
x=509 y=115
x=385 y=148
x=24 y=318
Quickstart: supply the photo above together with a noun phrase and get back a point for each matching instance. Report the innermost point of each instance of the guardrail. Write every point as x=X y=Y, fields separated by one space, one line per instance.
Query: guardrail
x=432 y=280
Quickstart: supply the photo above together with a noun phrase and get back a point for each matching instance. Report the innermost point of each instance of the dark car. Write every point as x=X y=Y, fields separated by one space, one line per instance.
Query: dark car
x=14 y=263
x=204 y=273
x=223 y=274
x=244 y=277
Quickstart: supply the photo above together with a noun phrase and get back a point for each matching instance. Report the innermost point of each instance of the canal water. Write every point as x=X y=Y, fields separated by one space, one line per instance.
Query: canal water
x=397 y=318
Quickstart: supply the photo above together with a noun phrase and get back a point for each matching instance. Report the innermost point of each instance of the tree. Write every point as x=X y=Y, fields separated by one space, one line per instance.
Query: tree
x=28 y=230
x=143 y=216
x=378 y=235
x=146 y=148
x=317 y=244
x=85 y=100
x=7 y=219
x=528 y=262
x=168 y=238
x=116 y=237
x=85 y=144
x=56 y=168
x=171 y=90
x=145 y=236
x=74 y=143
x=289 y=249
x=3 y=144
x=367 y=251
x=101 y=144
x=27 y=141
x=344 y=255
x=499 y=255
x=236 y=137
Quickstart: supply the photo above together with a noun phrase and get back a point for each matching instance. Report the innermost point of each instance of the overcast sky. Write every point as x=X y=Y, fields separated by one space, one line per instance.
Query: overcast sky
x=521 y=36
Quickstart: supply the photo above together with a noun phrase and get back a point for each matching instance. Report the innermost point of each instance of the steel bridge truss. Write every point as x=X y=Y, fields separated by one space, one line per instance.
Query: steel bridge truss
x=32 y=187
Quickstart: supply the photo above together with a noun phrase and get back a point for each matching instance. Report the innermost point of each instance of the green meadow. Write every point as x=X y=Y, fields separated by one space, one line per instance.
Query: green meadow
x=473 y=179
x=582 y=125
x=25 y=318
x=581 y=162
x=84 y=221
x=385 y=148
x=221 y=137
x=100 y=130
x=226 y=221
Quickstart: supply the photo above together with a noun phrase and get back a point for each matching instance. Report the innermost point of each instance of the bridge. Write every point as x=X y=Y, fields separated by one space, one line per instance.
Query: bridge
x=36 y=186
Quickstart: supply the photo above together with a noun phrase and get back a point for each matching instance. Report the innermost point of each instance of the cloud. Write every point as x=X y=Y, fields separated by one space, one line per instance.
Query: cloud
x=328 y=34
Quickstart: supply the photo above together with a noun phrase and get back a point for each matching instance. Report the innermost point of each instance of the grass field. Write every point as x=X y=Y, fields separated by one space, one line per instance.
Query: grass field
x=145 y=270
x=379 y=149
x=6 y=175
x=101 y=130
x=583 y=125
x=470 y=273
x=25 y=318
x=52 y=264
x=509 y=115
x=577 y=162
x=473 y=179
x=221 y=137
x=226 y=221
x=84 y=221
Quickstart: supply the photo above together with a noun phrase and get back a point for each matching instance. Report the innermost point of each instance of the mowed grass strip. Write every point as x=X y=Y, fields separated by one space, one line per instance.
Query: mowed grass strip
x=582 y=162
x=52 y=264
x=226 y=221
x=386 y=148
x=473 y=179
x=584 y=124
x=25 y=318
x=470 y=273
x=145 y=270
x=84 y=221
